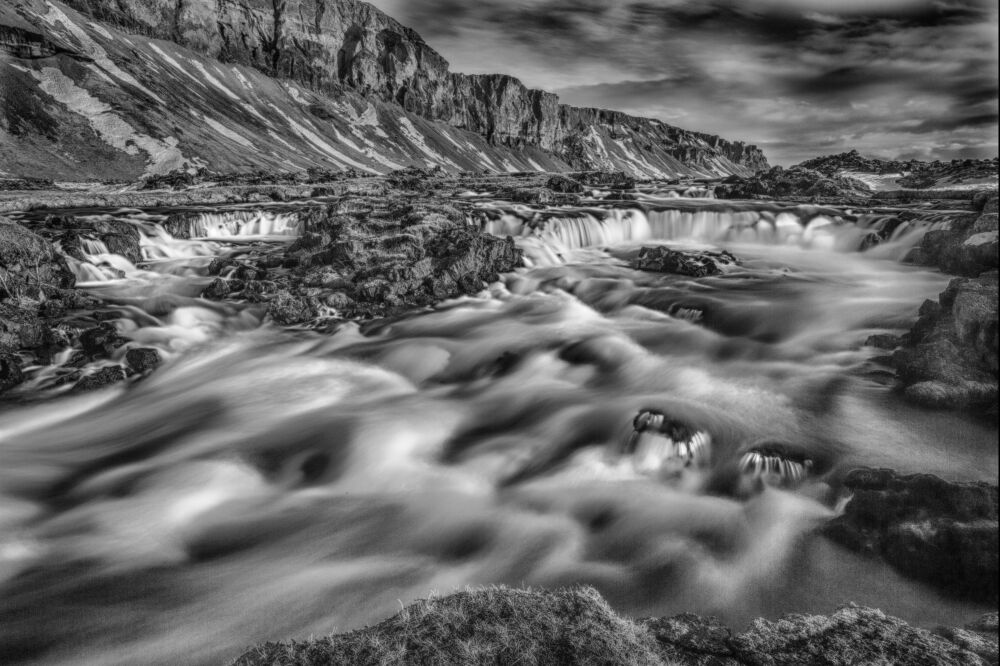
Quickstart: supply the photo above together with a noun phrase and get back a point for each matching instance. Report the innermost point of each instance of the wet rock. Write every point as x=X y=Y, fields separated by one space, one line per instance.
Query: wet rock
x=949 y=358
x=564 y=184
x=216 y=290
x=101 y=341
x=118 y=237
x=287 y=309
x=883 y=341
x=29 y=265
x=100 y=379
x=538 y=195
x=940 y=532
x=367 y=258
x=178 y=225
x=10 y=371
x=143 y=359
x=700 y=263
x=968 y=247
x=614 y=180
x=20 y=326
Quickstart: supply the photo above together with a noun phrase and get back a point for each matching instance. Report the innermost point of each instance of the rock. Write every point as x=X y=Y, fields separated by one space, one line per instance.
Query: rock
x=949 y=358
x=930 y=529
x=143 y=359
x=118 y=237
x=10 y=371
x=100 y=379
x=851 y=635
x=29 y=265
x=20 y=326
x=615 y=180
x=499 y=625
x=832 y=165
x=883 y=341
x=985 y=222
x=564 y=184
x=967 y=248
x=286 y=309
x=690 y=639
x=101 y=341
x=216 y=290
x=796 y=182
x=538 y=195
x=683 y=262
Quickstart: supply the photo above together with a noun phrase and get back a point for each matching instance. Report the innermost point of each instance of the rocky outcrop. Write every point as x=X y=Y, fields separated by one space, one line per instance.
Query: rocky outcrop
x=796 y=183
x=933 y=530
x=832 y=165
x=334 y=51
x=506 y=626
x=363 y=258
x=949 y=358
x=693 y=263
x=967 y=247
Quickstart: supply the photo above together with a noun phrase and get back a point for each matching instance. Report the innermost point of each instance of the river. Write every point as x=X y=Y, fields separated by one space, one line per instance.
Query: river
x=269 y=483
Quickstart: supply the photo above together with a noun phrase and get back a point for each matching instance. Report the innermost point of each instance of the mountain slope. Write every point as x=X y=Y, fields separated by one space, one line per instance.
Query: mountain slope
x=108 y=89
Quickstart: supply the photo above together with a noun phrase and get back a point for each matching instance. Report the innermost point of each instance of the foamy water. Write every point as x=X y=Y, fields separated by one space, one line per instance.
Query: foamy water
x=267 y=484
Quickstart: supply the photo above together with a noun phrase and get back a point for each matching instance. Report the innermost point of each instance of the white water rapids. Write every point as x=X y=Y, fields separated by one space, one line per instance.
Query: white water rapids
x=266 y=484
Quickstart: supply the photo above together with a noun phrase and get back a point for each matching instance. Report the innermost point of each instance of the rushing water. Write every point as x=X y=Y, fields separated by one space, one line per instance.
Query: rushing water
x=268 y=483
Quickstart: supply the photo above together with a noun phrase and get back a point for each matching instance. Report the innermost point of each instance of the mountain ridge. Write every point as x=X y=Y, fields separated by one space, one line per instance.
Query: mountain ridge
x=325 y=54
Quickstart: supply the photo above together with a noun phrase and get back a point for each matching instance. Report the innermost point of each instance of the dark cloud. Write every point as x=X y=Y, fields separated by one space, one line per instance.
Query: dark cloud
x=797 y=77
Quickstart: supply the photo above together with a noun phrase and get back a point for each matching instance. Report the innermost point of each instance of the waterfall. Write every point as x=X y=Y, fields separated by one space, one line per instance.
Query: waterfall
x=550 y=240
x=244 y=223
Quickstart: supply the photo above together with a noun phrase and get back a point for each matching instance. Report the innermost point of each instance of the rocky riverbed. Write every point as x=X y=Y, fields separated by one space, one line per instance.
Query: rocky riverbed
x=554 y=361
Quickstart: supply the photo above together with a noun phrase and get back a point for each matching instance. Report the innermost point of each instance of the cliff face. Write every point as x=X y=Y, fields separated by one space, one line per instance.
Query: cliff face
x=338 y=49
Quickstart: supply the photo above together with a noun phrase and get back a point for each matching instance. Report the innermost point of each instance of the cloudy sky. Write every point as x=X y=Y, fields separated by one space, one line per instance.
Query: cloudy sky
x=800 y=78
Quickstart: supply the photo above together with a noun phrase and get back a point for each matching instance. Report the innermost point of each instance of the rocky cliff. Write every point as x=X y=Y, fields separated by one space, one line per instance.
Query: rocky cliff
x=324 y=55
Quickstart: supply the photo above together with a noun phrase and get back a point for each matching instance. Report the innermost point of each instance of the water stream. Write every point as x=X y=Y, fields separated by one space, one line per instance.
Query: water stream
x=268 y=483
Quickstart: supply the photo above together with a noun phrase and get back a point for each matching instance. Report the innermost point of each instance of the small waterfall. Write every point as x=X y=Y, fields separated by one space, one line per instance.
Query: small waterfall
x=244 y=223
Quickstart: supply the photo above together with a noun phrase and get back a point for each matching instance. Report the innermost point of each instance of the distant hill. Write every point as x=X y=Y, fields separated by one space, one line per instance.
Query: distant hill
x=882 y=174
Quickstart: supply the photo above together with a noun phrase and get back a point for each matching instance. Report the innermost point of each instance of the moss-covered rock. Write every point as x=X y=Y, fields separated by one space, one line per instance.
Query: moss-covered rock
x=507 y=626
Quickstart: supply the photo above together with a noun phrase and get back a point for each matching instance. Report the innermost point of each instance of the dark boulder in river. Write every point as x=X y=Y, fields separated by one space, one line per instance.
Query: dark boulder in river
x=576 y=626
x=694 y=263
x=933 y=530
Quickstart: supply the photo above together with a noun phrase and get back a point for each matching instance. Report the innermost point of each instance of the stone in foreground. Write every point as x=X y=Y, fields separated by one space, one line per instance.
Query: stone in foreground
x=508 y=626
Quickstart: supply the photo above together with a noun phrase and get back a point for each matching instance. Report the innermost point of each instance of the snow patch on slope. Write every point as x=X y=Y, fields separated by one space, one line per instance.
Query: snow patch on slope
x=228 y=133
x=163 y=153
x=55 y=16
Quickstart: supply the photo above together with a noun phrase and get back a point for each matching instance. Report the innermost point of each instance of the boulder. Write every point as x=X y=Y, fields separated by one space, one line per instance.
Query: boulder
x=101 y=341
x=30 y=265
x=936 y=531
x=100 y=379
x=694 y=263
x=949 y=358
x=10 y=371
x=143 y=359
